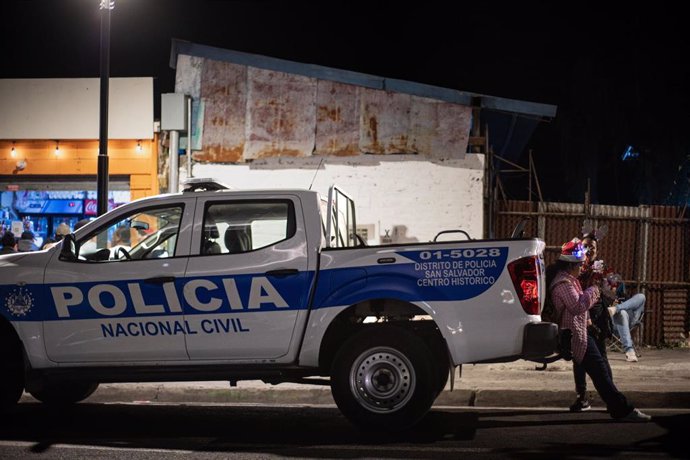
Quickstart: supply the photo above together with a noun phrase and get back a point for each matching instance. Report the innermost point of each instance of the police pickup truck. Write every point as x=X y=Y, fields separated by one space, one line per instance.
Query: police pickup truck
x=214 y=284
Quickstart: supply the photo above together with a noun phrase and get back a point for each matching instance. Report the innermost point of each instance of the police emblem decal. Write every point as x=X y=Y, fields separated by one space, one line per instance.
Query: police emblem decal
x=19 y=302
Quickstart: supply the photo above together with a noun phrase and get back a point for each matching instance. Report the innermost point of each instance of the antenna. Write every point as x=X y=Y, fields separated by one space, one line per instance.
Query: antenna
x=317 y=171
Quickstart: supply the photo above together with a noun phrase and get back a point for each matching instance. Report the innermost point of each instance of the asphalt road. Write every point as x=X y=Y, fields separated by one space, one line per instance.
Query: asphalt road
x=144 y=431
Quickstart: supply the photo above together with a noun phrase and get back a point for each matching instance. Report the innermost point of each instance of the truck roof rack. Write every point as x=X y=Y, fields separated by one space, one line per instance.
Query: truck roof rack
x=203 y=184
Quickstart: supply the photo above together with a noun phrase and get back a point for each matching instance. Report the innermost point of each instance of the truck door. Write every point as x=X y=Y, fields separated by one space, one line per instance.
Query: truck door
x=247 y=283
x=119 y=301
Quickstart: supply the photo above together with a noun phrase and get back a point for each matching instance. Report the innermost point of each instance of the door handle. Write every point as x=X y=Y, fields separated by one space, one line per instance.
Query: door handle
x=280 y=273
x=160 y=280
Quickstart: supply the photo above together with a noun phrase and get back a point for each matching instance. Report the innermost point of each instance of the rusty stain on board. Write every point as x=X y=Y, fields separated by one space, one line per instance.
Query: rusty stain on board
x=388 y=122
x=278 y=152
x=281 y=114
x=220 y=154
x=439 y=130
x=373 y=133
x=256 y=113
x=328 y=114
x=224 y=91
x=337 y=119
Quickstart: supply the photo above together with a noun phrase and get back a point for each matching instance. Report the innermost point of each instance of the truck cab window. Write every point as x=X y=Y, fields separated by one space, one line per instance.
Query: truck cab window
x=243 y=226
x=149 y=234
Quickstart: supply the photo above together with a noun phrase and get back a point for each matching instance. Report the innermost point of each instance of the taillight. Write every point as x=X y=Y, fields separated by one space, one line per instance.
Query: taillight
x=525 y=276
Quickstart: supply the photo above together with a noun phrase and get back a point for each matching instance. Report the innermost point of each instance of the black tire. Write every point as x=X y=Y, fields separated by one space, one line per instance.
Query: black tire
x=383 y=379
x=11 y=372
x=442 y=374
x=64 y=393
x=439 y=351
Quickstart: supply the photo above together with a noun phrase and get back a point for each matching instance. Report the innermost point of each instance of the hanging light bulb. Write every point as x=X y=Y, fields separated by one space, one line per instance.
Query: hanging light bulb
x=13 y=152
x=57 y=148
x=139 y=148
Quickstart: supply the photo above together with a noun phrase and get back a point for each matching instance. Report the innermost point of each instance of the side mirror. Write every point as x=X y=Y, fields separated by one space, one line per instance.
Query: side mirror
x=70 y=250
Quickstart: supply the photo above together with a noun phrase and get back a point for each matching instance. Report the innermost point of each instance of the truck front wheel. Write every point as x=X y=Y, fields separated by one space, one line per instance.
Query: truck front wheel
x=11 y=373
x=64 y=393
x=383 y=379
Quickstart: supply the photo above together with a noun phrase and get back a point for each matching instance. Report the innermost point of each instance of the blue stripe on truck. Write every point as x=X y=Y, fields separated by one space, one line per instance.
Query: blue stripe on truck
x=441 y=275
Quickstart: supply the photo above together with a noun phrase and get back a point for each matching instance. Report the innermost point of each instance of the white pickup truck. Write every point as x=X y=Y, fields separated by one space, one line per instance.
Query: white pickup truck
x=213 y=284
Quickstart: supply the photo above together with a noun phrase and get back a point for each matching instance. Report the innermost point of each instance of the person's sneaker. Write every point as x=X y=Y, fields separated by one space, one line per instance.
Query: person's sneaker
x=612 y=310
x=635 y=416
x=580 y=405
x=631 y=356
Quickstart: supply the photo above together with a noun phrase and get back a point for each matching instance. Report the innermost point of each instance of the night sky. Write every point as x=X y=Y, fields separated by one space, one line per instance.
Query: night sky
x=619 y=77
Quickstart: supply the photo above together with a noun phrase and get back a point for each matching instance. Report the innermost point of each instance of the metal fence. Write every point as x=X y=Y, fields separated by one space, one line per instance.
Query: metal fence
x=648 y=245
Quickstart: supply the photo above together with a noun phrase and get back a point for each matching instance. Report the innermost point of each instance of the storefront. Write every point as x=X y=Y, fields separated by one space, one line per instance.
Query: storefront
x=49 y=150
x=41 y=208
x=39 y=188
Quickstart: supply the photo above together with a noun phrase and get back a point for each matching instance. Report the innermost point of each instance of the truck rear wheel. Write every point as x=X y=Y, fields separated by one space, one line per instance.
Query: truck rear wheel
x=64 y=393
x=383 y=379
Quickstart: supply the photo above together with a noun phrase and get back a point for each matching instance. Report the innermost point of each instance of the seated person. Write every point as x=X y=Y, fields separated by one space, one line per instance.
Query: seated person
x=626 y=315
x=211 y=233
x=121 y=239
x=236 y=240
x=27 y=242
x=9 y=243
x=60 y=232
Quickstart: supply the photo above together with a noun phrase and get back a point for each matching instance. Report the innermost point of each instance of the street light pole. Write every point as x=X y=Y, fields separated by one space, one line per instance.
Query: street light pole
x=102 y=179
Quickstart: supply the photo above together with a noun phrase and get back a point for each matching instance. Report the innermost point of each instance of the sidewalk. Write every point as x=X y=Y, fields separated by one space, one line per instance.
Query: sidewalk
x=661 y=379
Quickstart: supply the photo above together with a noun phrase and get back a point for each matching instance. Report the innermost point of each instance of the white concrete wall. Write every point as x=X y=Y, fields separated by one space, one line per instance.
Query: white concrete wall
x=411 y=199
x=69 y=108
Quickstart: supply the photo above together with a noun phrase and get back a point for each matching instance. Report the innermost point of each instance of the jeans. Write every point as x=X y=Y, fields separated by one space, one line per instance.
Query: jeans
x=579 y=369
x=628 y=315
x=598 y=370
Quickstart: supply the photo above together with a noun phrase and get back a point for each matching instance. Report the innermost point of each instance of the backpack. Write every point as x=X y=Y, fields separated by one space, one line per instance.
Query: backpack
x=551 y=314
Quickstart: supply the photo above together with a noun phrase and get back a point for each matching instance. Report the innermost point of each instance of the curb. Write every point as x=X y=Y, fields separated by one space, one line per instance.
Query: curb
x=561 y=398
x=322 y=396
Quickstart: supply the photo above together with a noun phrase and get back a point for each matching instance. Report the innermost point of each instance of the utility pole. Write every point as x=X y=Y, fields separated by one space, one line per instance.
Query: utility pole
x=102 y=179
